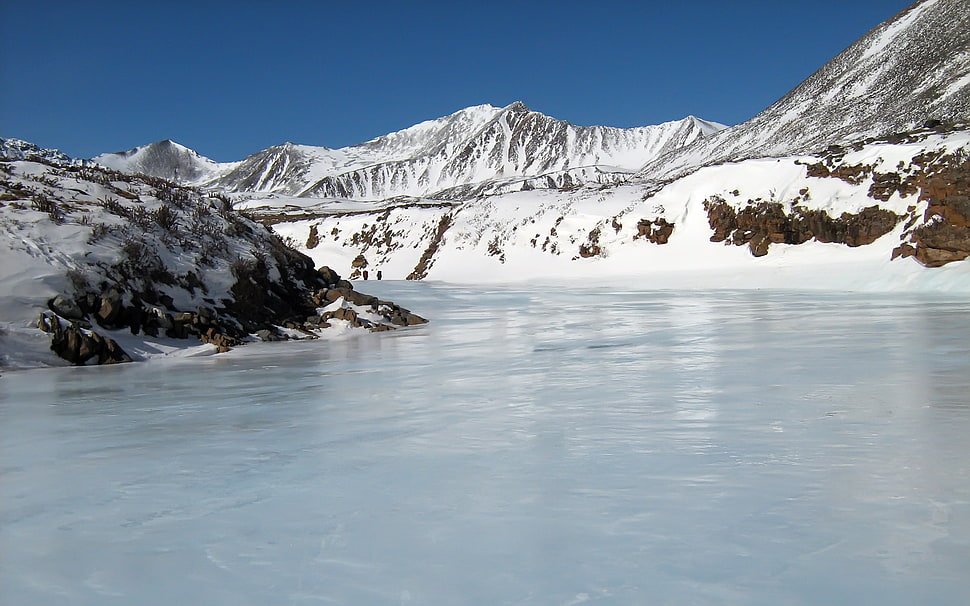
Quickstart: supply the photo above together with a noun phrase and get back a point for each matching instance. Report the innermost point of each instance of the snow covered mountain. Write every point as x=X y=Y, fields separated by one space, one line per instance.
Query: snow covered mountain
x=165 y=159
x=17 y=149
x=511 y=142
x=849 y=218
x=909 y=70
x=859 y=177
x=453 y=154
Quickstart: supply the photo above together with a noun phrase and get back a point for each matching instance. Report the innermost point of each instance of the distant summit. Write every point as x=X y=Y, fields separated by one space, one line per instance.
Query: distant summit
x=477 y=148
x=166 y=159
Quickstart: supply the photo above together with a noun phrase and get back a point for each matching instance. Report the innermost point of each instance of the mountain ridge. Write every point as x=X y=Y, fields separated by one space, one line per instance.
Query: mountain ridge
x=912 y=68
x=454 y=152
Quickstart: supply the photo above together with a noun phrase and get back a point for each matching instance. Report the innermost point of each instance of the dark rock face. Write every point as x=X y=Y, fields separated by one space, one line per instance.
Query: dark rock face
x=428 y=257
x=313 y=239
x=110 y=308
x=330 y=277
x=761 y=224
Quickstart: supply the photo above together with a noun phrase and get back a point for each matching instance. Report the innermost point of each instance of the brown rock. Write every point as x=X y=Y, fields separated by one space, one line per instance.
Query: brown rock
x=313 y=240
x=657 y=230
x=110 y=308
x=352 y=296
x=329 y=276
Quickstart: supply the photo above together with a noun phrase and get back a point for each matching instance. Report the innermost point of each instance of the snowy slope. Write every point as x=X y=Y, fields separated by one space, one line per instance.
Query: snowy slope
x=912 y=68
x=595 y=232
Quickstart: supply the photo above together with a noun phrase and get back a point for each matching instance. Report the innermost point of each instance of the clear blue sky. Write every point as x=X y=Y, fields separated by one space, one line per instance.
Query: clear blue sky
x=230 y=78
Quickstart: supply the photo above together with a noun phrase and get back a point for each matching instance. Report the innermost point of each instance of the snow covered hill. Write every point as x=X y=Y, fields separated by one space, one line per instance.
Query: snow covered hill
x=117 y=267
x=911 y=69
x=850 y=219
x=456 y=154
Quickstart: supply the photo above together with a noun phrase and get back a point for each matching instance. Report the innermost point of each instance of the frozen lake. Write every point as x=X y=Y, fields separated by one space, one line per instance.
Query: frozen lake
x=526 y=447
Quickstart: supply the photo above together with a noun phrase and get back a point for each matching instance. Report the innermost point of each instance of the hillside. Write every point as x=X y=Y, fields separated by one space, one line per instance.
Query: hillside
x=850 y=217
x=911 y=69
x=118 y=267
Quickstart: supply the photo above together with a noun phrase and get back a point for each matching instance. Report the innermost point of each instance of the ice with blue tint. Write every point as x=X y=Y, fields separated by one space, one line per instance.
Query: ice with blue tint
x=531 y=445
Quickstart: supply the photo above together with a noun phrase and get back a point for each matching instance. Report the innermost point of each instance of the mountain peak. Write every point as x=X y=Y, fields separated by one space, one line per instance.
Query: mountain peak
x=166 y=159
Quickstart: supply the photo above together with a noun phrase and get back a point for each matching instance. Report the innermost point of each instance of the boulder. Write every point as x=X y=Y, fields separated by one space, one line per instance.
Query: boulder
x=657 y=230
x=268 y=335
x=66 y=308
x=329 y=276
x=110 y=308
x=222 y=342
x=352 y=296
x=79 y=346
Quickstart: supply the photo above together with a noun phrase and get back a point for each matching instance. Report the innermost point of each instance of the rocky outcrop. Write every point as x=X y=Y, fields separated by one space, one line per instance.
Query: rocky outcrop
x=428 y=256
x=591 y=248
x=944 y=235
x=80 y=345
x=760 y=224
x=73 y=339
x=656 y=230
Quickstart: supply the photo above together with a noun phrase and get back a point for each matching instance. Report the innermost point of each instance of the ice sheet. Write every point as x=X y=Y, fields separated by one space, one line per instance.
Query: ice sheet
x=530 y=446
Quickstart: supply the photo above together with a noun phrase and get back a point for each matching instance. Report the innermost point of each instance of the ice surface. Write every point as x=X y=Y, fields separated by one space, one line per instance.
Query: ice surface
x=529 y=446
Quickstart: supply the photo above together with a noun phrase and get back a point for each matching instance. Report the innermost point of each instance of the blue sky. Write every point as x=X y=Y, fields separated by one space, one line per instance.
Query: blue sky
x=230 y=78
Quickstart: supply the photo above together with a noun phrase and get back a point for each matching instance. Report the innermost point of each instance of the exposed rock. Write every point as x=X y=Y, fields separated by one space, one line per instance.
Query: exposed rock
x=345 y=314
x=329 y=276
x=592 y=247
x=656 y=230
x=764 y=223
x=78 y=346
x=222 y=342
x=884 y=185
x=944 y=235
x=427 y=258
x=110 y=308
x=268 y=335
x=351 y=296
x=65 y=308
x=313 y=240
